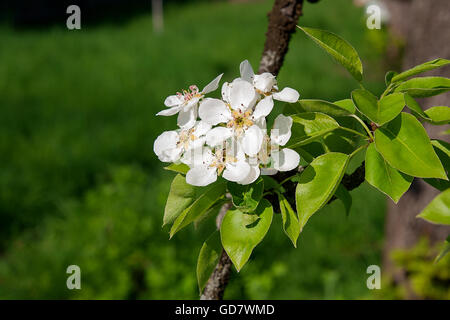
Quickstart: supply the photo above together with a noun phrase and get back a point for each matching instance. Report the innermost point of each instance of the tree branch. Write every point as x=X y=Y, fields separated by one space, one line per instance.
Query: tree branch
x=282 y=22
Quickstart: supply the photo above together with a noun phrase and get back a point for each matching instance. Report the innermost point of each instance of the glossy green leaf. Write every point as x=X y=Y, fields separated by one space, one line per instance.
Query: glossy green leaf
x=438 y=211
x=346 y=104
x=181 y=196
x=430 y=65
x=439 y=115
x=412 y=104
x=200 y=206
x=241 y=232
x=442 y=149
x=338 y=48
x=343 y=195
x=388 y=77
x=381 y=111
x=318 y=183
x=246 y=197
x=405 y=145
x=424 y=87
x=385 y=178
x=444 y=251
x=310 y=126
x=178 y=167
x=208 y=258
x=291 y=225
x=331 y=109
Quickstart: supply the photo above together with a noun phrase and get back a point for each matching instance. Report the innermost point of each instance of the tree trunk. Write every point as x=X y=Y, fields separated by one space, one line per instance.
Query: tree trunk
x=424 y=25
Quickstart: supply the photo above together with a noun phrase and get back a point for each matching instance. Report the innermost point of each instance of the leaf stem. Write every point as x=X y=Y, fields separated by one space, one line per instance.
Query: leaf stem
x=359 y=149
x=364 y=126
x=353 y=131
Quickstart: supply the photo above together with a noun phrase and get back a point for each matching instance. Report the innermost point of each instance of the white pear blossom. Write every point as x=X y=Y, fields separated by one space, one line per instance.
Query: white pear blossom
x=271 y=157
x=170 y=145
x=227 y=160
x=185 y=103
x=230 y=139
x=266 y=84
x=238 y=111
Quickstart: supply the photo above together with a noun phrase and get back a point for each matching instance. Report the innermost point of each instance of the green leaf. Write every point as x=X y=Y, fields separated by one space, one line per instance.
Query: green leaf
x=343 y=195
x=338 y=48
x=331 y=109
x=310 y=126
x=405 y=145
x=381 y=111
x=317 y=184
x=412 y=104
x=435 y=115
x=444 y=251
x=246 y=197
x=424 y=87
x=439 y=115
x=442 y=149
x=388 y=77
x=347 y=104
x=208 y=258
x=179 y=168
x=438 y=211
x=291 y=225
x=181 y=196
x=241 y=232
x=383 y=177
x=200 y=206
x=430 y=65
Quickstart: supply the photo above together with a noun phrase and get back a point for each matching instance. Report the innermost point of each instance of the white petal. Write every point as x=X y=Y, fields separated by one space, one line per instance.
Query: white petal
x=191 y=103
x=201 y=128
x=226 y=88
x=246 y=69
x=285 y=160
x=234 y=148
x=201 y=176
x=264 y=82
x=171 y=155
x=186 y=119
x=268 y=171
x=165 y=141
x=252 y=141
x=172 y=101
x=197 y=156
x=235 y=171
x=287 y=95
x=169 y=112
x=213 y=85
x=263 y=108
x=252 y=175
x=214 y=111
x=218 y=135
x=281 y=130
x=197 y=143
x=242 y=95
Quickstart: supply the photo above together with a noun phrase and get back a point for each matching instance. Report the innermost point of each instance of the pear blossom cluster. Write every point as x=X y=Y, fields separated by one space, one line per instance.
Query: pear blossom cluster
x=228 y=137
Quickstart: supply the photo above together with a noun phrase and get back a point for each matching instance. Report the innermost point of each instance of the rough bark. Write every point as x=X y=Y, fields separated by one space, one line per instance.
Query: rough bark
x=282 y=23
x=423 y=24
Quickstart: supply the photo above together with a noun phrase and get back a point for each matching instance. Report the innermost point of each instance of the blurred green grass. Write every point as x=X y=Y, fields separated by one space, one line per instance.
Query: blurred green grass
x=79 y=183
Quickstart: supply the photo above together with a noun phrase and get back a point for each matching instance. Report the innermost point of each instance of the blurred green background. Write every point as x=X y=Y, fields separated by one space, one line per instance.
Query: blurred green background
x=80 y=184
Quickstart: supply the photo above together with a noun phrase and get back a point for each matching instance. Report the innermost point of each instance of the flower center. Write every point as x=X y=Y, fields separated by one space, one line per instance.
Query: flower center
x=188 y=95
x=221 y=158
x=185 y=137
x=241 y=121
